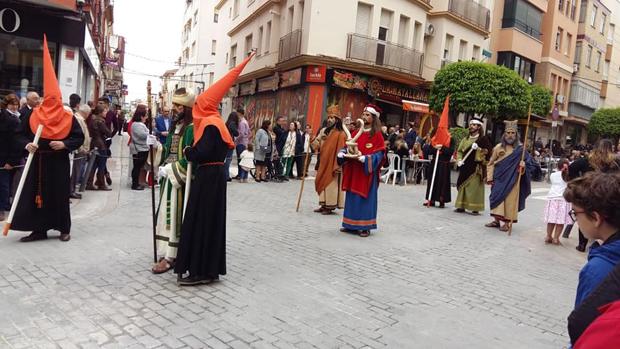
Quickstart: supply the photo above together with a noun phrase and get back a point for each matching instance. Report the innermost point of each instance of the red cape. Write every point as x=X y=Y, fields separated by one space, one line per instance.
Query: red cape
x=355 y=179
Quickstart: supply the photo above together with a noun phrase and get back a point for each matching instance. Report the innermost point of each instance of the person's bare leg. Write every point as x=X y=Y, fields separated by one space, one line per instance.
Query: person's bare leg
x=558 y=232
x=550 y=227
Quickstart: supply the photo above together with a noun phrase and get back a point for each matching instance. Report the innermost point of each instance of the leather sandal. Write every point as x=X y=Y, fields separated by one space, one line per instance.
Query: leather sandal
x=494 y=224
x=504 y=227
x=161 y=268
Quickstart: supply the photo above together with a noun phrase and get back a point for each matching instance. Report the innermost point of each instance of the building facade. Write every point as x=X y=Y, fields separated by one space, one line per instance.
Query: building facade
x=78 y=36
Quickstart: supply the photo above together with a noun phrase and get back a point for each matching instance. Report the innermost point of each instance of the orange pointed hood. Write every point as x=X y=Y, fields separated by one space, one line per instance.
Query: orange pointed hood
x=205 y=110
x=51 y=113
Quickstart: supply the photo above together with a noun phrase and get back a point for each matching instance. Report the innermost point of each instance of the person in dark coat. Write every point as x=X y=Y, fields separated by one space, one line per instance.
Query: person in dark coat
x=32 y=101
x=281 y=134
x=441 y=189
x=9 y=155
x=201 y=256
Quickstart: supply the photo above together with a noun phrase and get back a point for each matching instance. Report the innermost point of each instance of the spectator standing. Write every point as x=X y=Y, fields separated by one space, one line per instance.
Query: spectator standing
x=162 y=125
x=139 y=148
x=299 y=149
x=557 y=209
x=247 y=162
x=81 y=154
x=242 y=140
x=307 y=151
x=121 y=122
x=281 y=135
x=233 y=128
x=10 y=156
x=263 y=146
x=411 y=135
x=99 y=132
x=32 y=100
x=288 y=152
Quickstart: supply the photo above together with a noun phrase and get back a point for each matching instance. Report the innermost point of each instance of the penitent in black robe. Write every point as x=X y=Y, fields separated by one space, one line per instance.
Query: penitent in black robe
x=202 y=246
x=49 y=177
x=441 y=187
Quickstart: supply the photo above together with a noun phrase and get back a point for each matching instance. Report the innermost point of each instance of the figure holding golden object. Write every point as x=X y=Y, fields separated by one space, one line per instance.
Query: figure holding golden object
x=352 y=148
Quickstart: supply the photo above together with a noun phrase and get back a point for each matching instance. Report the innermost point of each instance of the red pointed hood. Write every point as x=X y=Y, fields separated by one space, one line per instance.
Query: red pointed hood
x=51 y=113
x=205 y=110
x=442 y=136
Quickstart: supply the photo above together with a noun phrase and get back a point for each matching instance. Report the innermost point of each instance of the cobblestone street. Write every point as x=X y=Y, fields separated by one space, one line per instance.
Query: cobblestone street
x=428 y=278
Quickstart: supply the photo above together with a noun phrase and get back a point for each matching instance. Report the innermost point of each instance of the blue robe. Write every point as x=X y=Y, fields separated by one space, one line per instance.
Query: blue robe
x=361 y=213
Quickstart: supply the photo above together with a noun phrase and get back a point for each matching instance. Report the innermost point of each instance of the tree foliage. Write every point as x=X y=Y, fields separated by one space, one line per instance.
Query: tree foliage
x=605 y=122
x=542 y=100
x=481 y=88
x=457 y=134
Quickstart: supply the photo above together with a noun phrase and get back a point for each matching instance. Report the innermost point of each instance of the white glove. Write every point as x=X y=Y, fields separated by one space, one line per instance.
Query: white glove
x=162 y=172
x=151 y=140
x=460 y=163
x=340 y=155
x=475 y=146
x=362 y=159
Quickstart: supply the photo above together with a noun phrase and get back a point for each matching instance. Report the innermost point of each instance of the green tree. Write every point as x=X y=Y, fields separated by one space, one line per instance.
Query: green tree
x=605 y=122
x=482 y=88
x=457 y=134
x=542 y=100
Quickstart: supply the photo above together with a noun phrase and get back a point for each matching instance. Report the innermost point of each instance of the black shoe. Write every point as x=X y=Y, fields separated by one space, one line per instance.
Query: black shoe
x=75 y=196
x=196 y=280
x=108 y=179
x=459 y=210
x=581 y=248
x=237 y=177
x=34 y=236
x=137 y=187
x=442 y=205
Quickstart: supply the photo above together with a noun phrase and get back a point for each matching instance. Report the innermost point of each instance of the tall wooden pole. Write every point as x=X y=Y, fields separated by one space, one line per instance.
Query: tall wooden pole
x=149 y=101
x=303 y=177
x=521 y=170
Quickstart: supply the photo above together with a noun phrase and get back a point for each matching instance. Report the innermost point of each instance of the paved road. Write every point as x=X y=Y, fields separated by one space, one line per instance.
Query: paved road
x=428 y=278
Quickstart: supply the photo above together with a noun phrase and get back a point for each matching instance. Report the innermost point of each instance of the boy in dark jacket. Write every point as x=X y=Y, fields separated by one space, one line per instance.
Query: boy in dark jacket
x=595 y=198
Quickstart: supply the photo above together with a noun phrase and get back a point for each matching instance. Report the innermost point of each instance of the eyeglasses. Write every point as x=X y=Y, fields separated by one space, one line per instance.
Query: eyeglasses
x=573 y=214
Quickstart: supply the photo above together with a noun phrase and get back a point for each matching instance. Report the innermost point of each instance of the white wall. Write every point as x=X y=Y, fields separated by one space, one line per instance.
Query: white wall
x=68 y=72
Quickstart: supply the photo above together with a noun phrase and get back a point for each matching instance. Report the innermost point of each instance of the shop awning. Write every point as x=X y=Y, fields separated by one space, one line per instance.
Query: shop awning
x=415 y=106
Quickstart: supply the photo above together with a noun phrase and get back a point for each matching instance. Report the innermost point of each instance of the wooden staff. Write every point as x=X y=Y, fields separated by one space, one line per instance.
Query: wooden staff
x=149 y=100
x=303 y=177
x=430 y=192
x=22 y=180
x=527 y=129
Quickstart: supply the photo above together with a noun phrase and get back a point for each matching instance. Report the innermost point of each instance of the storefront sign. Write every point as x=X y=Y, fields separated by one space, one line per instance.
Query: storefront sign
x=9 y=20
x=316 y=73
x=396 y=92
x=247 y=88
x=269 y=83
x=350 y=81
x=415 y=107
x=113 y=85
x=290 y=78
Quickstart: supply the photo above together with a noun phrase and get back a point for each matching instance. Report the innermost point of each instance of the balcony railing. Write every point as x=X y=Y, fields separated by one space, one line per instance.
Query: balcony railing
x=384 y=53
x=290 y=46
x=471 y=12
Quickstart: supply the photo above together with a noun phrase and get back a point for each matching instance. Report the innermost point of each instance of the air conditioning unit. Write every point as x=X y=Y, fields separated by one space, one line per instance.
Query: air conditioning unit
x=559 y=99
x=429 y=30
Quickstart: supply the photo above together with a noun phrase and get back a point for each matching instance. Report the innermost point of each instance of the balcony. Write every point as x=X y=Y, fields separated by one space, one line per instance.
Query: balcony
x=383 y=53
x=290 y=46
x=471 y=12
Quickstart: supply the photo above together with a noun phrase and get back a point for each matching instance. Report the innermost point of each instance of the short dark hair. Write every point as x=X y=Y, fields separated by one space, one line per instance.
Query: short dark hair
x=597 y=192
x=265 y=125
x=104 y=99
x=74 y=100
x=240 y=110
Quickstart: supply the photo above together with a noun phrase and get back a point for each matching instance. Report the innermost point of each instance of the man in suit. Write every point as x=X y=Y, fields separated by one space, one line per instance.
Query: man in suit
x=32 y=100
x=162 y=125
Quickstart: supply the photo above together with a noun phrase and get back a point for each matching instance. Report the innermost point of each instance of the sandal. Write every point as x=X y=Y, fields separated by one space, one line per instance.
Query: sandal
x=163 y=266
x=327 y=212
x=504 y=227
x=364 y=233
x=319 y=210
x=494 y=224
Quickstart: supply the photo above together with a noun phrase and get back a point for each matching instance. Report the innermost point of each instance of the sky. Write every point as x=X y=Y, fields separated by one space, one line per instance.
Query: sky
x=152 y=29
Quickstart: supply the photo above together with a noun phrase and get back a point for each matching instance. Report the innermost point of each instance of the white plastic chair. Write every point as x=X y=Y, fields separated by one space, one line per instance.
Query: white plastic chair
x=390 y=169
x=397 y=167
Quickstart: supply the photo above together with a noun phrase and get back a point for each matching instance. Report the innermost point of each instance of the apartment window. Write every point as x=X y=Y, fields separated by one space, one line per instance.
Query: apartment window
x=211 y=76
x=558 y=39
x=385 y=26
x=593 y=16
x=216 y=17
x=578 y=51
x=260 y=40
x=291 y=18
x=524 y=16
x=403 y=30
x=213 y=47
x=569 y=40
x=475 y=56
x=195 y=18
x=233 y=55
x=301 y=14
x=226 y=60
x=588 y=56
x=603 y=20
x=248 y=44
x=462 y=50
x=447 y=51
x=235 y=8
x=521 y=65
x=193 y=49
x=598 y=61
x=561 y=5
x=610 y=33
x=362 y=21
x=606 y=71
x=417 y=36
x=573 y=9
x=583 y=11
x=268 y=37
